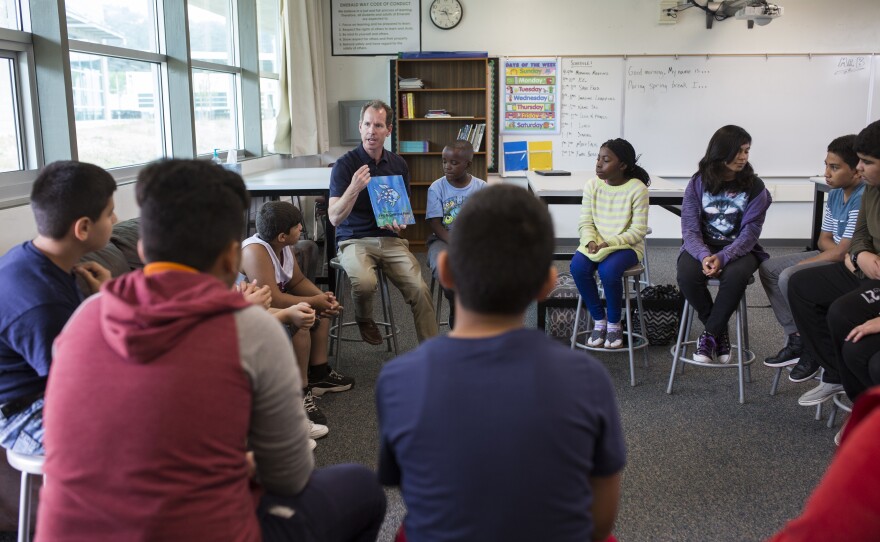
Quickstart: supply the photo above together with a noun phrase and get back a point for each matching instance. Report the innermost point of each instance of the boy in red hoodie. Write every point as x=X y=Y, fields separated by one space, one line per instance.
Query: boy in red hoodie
x=162 y=383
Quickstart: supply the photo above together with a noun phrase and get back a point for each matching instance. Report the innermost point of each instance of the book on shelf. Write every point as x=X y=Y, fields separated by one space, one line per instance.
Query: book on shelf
x=437 y=114
x=473 y=133
x=410 y=82
x=407 y=105
x=390 y=201
x=413 y=146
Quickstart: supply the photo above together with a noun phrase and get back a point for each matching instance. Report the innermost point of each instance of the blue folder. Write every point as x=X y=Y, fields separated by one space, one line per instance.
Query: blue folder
x=516 y=156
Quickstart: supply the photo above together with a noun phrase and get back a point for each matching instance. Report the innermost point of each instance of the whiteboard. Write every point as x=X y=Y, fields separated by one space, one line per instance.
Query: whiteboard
x=591 y=111
x=792 y=106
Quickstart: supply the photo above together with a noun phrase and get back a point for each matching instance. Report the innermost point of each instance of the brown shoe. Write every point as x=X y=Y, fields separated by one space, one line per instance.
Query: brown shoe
x=369 y=331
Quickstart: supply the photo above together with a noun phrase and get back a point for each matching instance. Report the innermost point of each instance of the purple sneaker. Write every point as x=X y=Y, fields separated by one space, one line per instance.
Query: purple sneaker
x=706 y=346
x=723 y=348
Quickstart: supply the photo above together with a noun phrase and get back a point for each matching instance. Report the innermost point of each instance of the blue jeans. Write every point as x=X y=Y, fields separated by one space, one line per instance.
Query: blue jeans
x=22 y=432
x=611 y=272
x=341 y=503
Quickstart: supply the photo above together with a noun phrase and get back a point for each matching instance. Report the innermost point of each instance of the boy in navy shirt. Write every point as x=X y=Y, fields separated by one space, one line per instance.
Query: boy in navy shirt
x=495 y=432
x=73 y=209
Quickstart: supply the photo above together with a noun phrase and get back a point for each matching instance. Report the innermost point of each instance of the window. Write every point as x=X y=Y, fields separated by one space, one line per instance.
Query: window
x=269 y=35
x=127 y=73
x=10 y=135
x=214 y=99
x=131 y=24
x=270 y=96
x=10 y=14
x=211 y=30
x=116 y=106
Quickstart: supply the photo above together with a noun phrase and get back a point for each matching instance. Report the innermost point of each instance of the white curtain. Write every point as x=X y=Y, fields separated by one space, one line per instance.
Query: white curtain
x=302 y=116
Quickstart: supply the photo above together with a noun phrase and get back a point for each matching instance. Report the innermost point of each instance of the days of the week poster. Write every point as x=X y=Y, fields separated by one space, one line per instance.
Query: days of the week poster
x=531 y=96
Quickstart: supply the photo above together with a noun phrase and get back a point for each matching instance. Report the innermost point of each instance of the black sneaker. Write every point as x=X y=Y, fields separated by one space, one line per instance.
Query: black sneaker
x=805 y=369
x=331 y=382
x=312 y=410
x=789 y=355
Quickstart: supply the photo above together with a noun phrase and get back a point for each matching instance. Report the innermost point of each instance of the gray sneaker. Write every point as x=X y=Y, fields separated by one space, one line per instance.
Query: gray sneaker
x=614 y=339
x=597 y=337
x=820 y=394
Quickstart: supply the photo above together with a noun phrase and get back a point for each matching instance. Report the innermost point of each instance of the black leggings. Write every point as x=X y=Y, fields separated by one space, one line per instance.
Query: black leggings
x=733 y=281
x=859 y=363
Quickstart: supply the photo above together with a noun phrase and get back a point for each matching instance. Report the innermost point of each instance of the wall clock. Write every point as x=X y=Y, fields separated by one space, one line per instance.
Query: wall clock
x=446 y=14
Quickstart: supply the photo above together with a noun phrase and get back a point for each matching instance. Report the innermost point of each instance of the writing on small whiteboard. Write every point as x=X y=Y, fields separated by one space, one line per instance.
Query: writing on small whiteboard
x=590 y=97
x=850 y=64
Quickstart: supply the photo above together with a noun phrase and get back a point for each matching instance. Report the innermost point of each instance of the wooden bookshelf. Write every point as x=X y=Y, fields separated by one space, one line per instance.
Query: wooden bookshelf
x=461 y=87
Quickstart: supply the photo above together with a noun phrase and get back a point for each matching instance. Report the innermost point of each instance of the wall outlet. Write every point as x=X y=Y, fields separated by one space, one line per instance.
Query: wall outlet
x=665 y=16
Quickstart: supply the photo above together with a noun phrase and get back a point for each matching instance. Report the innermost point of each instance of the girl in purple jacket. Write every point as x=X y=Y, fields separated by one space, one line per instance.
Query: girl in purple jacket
x=721 y=219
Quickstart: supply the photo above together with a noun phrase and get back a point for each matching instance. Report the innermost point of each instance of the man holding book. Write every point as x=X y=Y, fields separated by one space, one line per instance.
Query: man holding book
x=362 y=244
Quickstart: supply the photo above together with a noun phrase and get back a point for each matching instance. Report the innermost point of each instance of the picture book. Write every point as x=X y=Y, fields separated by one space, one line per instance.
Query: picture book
x=390 y=201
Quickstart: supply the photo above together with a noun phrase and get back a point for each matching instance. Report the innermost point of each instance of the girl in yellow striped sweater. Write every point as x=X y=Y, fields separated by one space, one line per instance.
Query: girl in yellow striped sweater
x=613 y=224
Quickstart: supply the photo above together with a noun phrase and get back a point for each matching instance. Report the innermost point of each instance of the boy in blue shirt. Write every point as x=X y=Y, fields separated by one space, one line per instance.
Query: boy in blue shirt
x=496 y=432
x=73 y=209
x=446 y=195
x=838 y=225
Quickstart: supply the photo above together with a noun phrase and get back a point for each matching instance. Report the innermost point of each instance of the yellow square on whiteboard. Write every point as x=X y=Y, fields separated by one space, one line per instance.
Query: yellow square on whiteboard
x=540 y=155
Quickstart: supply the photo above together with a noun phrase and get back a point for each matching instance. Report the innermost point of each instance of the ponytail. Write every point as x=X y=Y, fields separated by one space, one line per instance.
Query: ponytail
x=625 y=152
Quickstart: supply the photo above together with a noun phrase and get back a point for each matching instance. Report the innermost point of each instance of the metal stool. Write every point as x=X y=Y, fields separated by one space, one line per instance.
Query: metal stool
x=438 y=300
x=634 y=341
x=29 y=466
x=646 y=279
x=840 y=401
x=744 y=356
x=339 y=323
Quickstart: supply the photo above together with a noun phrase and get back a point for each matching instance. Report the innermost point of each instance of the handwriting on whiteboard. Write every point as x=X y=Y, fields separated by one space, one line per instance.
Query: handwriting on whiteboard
x=667 y=78
x=589 y=97
x=850 y=64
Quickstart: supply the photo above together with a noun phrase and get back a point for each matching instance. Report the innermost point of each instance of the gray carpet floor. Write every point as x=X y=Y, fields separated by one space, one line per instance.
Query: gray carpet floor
x=700 y=465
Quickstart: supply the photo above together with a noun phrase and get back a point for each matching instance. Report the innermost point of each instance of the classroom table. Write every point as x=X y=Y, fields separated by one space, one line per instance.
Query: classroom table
x=820 y=188
x=568 y=190
x=312 y=181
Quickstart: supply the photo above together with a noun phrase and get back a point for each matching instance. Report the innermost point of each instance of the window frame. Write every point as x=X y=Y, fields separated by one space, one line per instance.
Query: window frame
x=49 y=132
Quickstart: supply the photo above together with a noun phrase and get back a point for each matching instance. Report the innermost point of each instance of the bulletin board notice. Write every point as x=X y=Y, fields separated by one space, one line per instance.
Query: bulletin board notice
x=375 y=27
x=531 y=96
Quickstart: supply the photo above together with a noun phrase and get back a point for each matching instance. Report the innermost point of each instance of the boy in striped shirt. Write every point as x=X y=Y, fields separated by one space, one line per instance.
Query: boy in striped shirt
x=838 y=224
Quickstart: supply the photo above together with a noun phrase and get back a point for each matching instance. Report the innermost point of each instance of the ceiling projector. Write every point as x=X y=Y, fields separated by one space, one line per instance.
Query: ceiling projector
x=761 y=14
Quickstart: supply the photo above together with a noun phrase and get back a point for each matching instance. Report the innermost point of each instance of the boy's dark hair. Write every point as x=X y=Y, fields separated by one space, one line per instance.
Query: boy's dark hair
x=722 y=149
x=66 y=191
x=275 y=218
x=625 y=152
x=464 y=146
x=501 y=250
x=190 y=211
x=379 y=105
x=844 y=147
x=868 y=140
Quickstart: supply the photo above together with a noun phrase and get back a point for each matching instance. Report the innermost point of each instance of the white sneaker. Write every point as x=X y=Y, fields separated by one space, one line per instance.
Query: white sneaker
x=317 y=430
x=820 y=394
x=312 y=445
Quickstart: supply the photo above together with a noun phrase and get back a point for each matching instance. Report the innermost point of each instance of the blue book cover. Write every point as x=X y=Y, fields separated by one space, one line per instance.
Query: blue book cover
x=390 y=201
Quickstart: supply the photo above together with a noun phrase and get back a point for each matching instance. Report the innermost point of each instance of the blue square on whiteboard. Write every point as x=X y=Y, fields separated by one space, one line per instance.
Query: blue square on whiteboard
x=516 y=156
